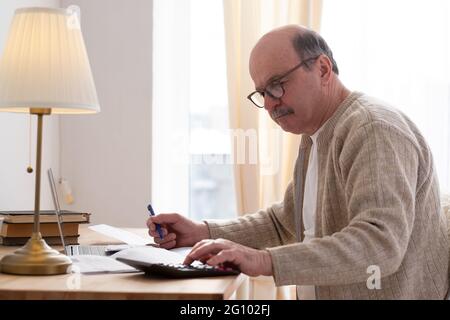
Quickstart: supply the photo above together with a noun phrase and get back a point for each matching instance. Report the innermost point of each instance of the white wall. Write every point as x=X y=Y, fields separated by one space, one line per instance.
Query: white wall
x=16 y=185
x=106 y=157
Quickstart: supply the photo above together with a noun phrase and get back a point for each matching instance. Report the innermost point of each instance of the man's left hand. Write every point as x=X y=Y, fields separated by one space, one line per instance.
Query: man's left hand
x=222 y=252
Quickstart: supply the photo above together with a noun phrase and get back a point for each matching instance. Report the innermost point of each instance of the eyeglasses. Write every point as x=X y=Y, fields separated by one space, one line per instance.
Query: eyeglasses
x=275 y=88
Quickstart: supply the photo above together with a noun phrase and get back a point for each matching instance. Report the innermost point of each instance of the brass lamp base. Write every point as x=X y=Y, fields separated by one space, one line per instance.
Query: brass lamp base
x=35 y=258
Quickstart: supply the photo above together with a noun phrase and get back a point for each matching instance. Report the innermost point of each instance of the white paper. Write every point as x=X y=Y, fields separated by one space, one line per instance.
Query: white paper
x=183 y=250
x=92 y=264
x=150 y=254
x=119 y=234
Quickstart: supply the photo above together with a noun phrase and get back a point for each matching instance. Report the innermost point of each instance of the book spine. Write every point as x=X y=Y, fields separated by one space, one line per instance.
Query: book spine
x=53 y=241
x=46 y=229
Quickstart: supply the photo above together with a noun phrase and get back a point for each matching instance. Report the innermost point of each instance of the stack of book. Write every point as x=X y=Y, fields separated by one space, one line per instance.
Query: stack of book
x=17 y=226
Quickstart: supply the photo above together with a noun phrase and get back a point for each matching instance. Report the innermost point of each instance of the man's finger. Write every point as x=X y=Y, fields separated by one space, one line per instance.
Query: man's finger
x=168 y=245
x=200 y=243
x=222 y=257
x=188 y=259
x=167 y=238
x=211 y=247
x=165 y=218
x=154 y=233
x=205 y=258
x=149 y=222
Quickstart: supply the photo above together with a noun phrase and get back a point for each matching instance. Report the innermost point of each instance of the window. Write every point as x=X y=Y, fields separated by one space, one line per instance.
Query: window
x=398 y=51
x=191 y=147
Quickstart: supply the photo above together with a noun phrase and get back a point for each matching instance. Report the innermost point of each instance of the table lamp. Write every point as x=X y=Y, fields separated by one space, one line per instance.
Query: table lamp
x=44 y=70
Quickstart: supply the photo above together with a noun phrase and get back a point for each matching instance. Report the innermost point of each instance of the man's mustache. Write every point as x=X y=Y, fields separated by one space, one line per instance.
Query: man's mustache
x=281 y=112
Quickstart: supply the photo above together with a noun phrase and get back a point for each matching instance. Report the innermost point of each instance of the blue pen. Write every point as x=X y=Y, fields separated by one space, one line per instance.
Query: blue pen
x=158 y=227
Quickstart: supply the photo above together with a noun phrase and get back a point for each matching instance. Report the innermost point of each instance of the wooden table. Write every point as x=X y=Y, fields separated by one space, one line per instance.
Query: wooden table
x=113 y=286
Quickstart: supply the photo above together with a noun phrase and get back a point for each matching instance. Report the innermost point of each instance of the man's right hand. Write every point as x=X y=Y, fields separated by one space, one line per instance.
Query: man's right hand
x=178 y=231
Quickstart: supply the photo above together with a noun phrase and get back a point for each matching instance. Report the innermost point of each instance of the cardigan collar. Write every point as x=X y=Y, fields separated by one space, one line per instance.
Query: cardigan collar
x=327 y=130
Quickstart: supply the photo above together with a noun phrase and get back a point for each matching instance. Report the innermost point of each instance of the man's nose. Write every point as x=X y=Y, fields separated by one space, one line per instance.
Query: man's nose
x=270 y=103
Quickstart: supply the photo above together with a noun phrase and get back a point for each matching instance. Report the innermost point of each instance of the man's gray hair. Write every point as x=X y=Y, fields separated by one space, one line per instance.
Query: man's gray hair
x=310 y=44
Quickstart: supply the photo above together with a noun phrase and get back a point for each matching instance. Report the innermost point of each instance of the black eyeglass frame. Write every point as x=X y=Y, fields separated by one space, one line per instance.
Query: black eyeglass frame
x=276 y=81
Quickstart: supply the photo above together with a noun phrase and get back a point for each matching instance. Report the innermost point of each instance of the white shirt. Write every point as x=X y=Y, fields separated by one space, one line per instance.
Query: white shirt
x=309 y=208
x=310 y=193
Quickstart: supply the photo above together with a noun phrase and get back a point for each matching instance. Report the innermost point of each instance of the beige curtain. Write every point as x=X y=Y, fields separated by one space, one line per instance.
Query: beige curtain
x=259 y=184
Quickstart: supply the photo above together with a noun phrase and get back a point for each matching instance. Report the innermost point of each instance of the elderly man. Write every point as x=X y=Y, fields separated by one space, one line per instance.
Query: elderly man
x=361 y=218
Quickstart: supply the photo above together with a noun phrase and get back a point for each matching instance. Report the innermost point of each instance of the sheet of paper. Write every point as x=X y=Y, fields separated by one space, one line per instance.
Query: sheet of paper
x=92 y=264
x=150 y=254
x=183 y=250
x=119 y=234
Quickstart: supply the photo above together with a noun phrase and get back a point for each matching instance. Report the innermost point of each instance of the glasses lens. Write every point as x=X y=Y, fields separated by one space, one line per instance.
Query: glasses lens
x=258 y=99
x=275 y=90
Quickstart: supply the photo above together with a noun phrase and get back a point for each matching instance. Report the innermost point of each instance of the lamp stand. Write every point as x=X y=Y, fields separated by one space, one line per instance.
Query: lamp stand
x=36 y=257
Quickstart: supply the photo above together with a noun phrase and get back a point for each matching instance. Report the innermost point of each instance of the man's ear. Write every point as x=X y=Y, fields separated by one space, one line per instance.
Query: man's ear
x=326 y=69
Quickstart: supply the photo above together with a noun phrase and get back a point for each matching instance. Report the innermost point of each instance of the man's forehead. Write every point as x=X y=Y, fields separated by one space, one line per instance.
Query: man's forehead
x=269 y=61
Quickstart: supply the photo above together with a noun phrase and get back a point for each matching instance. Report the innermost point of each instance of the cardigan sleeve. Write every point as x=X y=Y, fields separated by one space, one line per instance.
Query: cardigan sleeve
x=265 y=228
x=379 y=168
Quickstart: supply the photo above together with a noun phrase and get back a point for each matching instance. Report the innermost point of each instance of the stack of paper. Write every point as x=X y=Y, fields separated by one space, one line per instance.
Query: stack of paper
x=92 y=264
x=139 y=250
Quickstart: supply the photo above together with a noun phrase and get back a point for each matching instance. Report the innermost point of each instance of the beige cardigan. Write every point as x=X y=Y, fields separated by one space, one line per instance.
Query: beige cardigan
x=377 y=205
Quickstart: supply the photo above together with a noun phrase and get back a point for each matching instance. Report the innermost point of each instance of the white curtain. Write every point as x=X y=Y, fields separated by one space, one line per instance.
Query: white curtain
x=398 y=51
x=260 y=184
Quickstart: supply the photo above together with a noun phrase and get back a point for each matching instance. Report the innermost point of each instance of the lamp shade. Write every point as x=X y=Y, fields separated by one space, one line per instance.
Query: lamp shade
x=45 y=64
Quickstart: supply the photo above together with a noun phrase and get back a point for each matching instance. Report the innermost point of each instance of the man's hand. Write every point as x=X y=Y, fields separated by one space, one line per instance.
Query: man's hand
x=220 y=252
x=178 y=231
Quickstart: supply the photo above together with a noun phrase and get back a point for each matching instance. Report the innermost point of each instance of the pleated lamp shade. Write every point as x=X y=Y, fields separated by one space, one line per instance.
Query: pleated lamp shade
x=45 y=64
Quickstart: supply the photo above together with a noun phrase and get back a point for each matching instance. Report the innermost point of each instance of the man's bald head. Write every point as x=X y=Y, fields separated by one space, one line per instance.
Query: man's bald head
x=287 y=43
x=279 y=38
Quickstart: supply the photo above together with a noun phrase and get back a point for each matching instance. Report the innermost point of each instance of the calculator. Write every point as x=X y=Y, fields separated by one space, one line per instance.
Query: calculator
x=179 y=270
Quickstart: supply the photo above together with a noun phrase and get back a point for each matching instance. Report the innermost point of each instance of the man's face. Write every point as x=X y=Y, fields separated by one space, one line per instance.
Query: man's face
x=297 y=110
